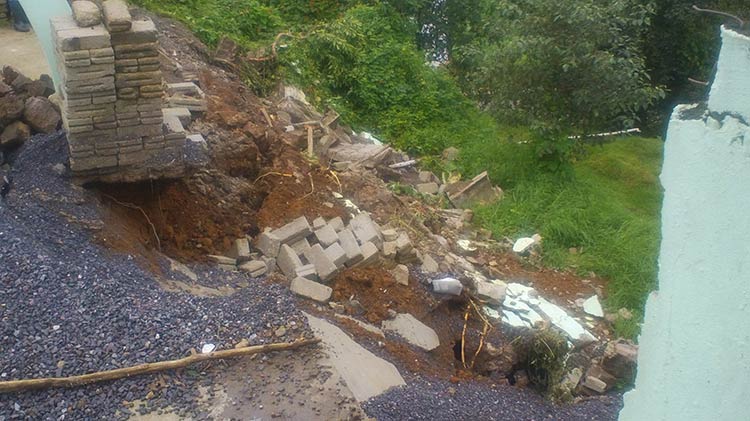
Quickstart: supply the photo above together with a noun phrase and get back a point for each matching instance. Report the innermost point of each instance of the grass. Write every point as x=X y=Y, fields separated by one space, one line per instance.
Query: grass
x=608 y=210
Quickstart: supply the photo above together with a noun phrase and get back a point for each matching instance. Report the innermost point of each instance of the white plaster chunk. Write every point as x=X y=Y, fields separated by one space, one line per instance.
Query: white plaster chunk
x=593 y=307
x=567 y=324
x=523 y=244
x=511 y=319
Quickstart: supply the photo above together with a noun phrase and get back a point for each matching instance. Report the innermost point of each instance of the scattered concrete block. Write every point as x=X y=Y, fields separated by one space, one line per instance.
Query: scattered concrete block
x=326 y=235
x=300 y=246
x=351 y=247
x=428 y=177
x=311 y=289
x=369 y=253
x=337 y=223
x=429 y=265
x=449 y=286
x=182 y=114
x=365 y=230
x=307 y=272
x=428 y=188
x=401 y=274
x=477 y=191
x=403 y=244
x=323 y=264
x=337 y=254
x=288 y=261
x=413 y=331
x=268 y=244
x=390 y=235
x=318 y=223
x=255 y=268
x=270 y=263
x=389 y=249
x=240 y=248
x=293 y=231
x=223 y=260
x=493 y=292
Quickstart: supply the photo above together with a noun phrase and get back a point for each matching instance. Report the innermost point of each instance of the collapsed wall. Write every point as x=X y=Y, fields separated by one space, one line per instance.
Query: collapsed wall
x=693 y=362
x=112 y=91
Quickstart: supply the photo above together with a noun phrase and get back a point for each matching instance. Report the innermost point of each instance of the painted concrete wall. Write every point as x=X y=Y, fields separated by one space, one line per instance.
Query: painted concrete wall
x=39 y=13
x=694 y=357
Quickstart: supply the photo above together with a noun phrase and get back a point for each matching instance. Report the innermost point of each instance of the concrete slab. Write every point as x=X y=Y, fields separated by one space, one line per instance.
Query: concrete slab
x=413 y=331
x=366 y=375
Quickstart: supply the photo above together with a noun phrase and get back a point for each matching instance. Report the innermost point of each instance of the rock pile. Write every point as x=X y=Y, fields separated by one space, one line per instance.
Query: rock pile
x=25 y=108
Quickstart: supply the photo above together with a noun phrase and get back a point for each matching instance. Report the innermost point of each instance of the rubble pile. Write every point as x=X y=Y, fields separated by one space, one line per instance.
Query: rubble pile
x=25 y=108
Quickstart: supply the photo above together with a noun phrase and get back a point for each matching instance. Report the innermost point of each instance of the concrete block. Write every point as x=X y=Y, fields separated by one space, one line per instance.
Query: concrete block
x=182 y=114
x=141 y=32
x=493 y=292
x=255 y=268
x=350 y=246
x=268 y=244
x=288 y=261
x=337 y=223
x=117 y=16
x=390 y=235
x=310 y=289
x=401 y=274
x=240 y=248
x=293 y=231
x=389 y=249
x=326 y=235
x=300 y=246
x=429 y=265
x=307 y=272
x=337 y=254
x=318 y=223
x=370 y=254
x=323 y=264
x=83 y=39
x=223 y=260
x=365 y=230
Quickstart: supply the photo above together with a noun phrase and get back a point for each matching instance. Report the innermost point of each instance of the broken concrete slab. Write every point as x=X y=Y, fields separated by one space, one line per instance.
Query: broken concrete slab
x=176 y=266
x=288 y=261
x=413 y=331
x=365 y=374
x=366 y=326
x=311 y=289
x=477 y=191
x=323 y=264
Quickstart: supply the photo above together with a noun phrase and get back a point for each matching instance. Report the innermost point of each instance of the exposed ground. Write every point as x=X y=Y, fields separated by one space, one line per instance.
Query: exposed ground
x=87 y=286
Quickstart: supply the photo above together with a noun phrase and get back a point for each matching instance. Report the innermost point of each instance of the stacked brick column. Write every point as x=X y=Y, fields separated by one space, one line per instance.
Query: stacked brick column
x=112 y=98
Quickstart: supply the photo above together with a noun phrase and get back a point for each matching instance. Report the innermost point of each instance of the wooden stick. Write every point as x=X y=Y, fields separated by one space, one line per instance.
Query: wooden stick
x=55 y=382
x=310 y=144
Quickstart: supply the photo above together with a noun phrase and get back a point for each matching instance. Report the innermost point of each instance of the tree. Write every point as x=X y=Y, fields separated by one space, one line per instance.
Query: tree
x=561 y=67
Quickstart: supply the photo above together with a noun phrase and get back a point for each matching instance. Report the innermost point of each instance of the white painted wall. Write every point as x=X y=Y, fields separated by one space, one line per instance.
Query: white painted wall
x=694 y=357
x=39 y=13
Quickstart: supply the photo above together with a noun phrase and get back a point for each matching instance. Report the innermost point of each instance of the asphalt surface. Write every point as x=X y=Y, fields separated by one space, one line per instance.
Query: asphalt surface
x=68 y=306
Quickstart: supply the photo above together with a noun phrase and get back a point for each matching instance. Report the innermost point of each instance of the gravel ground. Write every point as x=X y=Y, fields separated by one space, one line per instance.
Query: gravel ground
x=69 y=306
x=424 y=399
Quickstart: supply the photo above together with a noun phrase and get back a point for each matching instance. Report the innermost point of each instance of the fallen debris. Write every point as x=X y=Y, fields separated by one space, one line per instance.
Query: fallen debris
x=413 y=331
x=477 y=191
x=593 y=307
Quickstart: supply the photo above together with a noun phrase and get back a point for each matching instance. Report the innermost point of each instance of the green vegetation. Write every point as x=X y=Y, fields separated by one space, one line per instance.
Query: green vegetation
x=507 y=98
